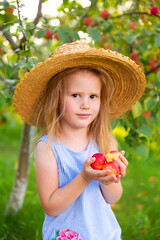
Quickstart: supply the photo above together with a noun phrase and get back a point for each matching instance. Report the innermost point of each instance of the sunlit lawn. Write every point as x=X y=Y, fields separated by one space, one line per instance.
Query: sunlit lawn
x=138 y=210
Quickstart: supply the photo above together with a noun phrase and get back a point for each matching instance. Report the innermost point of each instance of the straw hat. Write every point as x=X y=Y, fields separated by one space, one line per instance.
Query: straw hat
x=128 y=78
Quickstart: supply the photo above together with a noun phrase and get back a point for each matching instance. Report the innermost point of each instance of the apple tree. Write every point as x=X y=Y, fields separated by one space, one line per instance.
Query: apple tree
x=129 y=27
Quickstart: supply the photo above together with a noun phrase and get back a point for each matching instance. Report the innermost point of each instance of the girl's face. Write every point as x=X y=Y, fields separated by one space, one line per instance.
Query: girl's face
x=82 y=99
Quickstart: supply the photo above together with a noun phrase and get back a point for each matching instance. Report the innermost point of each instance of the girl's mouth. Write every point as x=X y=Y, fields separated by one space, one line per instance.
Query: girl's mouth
x=83 y=115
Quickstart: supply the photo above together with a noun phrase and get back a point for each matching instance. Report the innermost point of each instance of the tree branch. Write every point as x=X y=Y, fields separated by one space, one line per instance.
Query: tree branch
x=8 y=35
x=133 y=13
x=36 y=20
x=152 y=69
x=39 y=13
x=9 y=38
x=21 y=24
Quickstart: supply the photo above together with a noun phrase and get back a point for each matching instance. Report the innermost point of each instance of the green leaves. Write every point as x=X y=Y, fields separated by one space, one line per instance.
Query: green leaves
x=63 y=34
x=40 y=33
x=12 y=59
x=145 y=130
x=149 y=103
x=120 y=132
x=142 y=151
x=131 y=38
x=26 y=53
x=158 y=76
x=27 y=35
x=30 y=26
x=143 y=45
x=94 y=33
x=137 y=109
x=157 y=40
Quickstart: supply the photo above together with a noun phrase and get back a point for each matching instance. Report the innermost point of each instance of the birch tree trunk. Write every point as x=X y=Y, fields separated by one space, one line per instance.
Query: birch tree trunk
x=19 y=187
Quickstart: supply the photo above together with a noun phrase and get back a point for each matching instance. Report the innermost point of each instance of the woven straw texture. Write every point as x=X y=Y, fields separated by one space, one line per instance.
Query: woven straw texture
x=129 y=80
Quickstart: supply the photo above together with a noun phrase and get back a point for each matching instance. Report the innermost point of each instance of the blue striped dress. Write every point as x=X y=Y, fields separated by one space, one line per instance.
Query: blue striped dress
x=89 y=215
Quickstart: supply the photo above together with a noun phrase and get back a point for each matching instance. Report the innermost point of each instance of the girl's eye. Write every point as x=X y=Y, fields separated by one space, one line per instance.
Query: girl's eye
x=75 y=95
x=93 y=96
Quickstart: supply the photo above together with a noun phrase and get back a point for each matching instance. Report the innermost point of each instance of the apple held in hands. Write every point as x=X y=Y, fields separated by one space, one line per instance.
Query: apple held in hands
x=113 y=167
x=113 y=154
x=99 y=162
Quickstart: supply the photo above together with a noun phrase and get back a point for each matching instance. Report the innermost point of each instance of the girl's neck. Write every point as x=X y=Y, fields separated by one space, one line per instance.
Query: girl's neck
x=75 y=140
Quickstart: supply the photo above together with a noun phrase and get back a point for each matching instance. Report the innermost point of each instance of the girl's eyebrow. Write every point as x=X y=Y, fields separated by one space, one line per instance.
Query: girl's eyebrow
x=80 y=92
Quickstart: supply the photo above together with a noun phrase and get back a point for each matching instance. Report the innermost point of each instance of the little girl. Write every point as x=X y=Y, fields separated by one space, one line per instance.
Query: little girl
x=73 y=96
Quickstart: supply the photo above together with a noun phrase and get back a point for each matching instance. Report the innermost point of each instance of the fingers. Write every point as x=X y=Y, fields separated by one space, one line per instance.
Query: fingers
x=91 y=173
x=124 y=160
x=100 y=173
x=122 y=152
x=110 y=179
x=89 y=161
x=123 y=163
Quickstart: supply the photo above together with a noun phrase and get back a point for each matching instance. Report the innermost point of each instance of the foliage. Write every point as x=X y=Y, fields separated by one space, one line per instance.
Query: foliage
x=130 y=28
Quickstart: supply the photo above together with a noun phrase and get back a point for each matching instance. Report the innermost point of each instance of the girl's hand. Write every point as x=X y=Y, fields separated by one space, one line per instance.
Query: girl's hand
x=123 y=163
x=89 y=174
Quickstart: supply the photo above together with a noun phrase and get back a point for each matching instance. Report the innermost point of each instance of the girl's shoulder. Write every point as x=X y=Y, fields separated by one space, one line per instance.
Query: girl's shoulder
x=43 y=138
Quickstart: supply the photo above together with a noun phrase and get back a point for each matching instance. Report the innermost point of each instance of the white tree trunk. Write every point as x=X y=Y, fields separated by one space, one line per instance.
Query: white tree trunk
x=19 y=187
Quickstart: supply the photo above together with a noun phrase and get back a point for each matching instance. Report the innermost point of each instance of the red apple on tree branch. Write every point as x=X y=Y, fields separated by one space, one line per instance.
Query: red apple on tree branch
x=48 y=34
x=105 y=14
x=88 y=21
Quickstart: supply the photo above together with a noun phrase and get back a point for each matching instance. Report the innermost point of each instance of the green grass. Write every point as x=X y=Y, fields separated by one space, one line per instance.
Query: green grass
x=27 y=224
x=137 y=212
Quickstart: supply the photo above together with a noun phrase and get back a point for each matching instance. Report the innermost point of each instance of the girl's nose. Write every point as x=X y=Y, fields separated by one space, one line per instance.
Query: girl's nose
x=85 y=103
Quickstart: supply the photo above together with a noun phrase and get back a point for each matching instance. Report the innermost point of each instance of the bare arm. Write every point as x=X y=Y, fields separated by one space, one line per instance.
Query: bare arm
x=54 y=200
x=111 y=192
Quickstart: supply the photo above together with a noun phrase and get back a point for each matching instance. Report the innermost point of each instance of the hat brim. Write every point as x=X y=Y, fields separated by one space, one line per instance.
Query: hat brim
x=129 y=81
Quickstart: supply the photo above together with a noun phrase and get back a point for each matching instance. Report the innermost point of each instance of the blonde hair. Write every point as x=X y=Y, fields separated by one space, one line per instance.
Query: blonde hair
x=53 y=107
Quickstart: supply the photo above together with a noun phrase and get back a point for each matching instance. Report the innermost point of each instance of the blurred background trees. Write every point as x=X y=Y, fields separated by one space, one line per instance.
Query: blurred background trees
x=129 y=27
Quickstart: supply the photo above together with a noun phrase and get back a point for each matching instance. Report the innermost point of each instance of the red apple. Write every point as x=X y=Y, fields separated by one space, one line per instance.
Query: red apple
x=88 y=21
x=10 y=10
x=99 y=162
x=146 y=114
x=152 y=62
x=1 y=51
x=112 y=154
x=56 y=36
x=105 y=14
x=154 y=11
x=113 y=167
x=134 y=56
x=132 y=25
x=48 y=34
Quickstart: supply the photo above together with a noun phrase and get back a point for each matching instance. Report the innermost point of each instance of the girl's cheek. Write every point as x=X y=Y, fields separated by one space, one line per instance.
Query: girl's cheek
x=97 y=108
